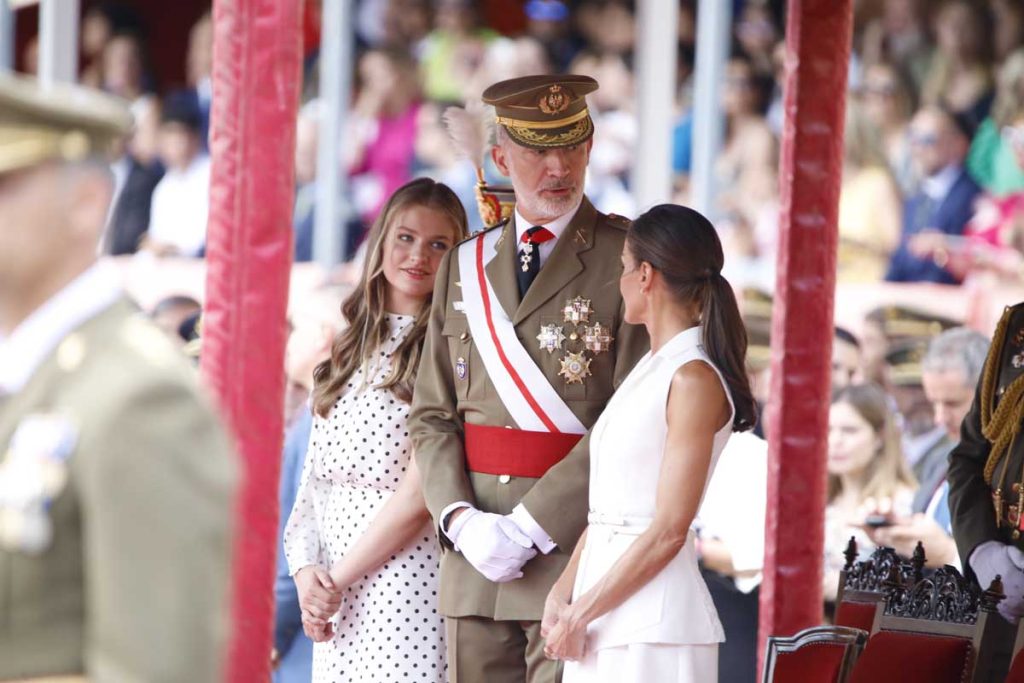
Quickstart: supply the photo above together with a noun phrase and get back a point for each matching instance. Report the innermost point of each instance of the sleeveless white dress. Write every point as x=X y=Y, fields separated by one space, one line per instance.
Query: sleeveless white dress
x=668 y=631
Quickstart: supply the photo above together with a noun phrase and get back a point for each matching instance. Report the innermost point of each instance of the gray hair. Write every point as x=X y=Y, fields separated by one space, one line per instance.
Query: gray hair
x=960 y=350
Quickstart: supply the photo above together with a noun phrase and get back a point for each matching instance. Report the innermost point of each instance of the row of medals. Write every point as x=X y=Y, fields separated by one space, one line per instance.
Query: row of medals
x=596 y=338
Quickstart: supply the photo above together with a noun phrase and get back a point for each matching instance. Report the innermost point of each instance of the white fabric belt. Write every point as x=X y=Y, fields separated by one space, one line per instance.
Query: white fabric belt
x=625 y=523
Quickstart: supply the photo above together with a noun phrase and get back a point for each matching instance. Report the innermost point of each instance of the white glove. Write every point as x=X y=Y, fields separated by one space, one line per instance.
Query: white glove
x=992 y=558
x=492 y=543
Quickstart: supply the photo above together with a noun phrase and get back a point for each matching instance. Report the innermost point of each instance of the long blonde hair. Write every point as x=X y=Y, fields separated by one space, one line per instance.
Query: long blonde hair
x=887 y=472
x=364 y=309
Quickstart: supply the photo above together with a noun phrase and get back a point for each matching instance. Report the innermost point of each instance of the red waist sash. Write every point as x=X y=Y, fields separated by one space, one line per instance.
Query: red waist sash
x=515 y=452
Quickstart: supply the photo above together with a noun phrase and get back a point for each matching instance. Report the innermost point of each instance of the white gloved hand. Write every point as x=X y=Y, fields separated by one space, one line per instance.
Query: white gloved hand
x=492 y=543
x=992 y=558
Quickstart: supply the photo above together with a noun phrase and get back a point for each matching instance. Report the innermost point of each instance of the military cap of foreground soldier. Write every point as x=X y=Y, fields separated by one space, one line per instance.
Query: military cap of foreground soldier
x=116 y=480
x=526 y=343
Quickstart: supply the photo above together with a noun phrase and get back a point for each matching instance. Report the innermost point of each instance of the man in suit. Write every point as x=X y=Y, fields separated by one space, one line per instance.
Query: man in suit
x=526 y=343
x=116 y=479
x=944 y=202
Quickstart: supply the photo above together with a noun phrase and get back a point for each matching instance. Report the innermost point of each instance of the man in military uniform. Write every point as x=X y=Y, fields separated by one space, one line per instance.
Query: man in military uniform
x=526 y=344
x=116 y=480
x=986 y=474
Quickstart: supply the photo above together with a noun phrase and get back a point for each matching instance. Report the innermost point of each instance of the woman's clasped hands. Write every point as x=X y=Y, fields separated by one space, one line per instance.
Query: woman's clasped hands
x=319 y=599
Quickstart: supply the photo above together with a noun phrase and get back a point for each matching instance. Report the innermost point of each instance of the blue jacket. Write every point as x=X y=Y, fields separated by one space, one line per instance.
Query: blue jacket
x=295 y=649
x=948 y=216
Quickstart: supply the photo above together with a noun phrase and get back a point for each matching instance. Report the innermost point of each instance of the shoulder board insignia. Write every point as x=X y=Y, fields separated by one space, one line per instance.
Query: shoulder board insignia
x=620 y=222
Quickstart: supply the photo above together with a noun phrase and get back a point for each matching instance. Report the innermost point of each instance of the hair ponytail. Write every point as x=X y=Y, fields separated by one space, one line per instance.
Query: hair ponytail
x=684 y=248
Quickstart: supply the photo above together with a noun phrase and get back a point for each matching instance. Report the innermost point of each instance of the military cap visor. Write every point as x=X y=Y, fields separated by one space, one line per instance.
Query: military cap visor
x=543 y=112
x=61 y=122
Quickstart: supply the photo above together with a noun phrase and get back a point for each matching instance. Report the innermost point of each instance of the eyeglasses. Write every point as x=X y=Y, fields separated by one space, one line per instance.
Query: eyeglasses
x=1013 y=135
x=923 y=138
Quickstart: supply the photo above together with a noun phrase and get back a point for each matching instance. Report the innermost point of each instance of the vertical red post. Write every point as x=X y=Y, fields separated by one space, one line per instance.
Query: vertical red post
x=256 y=83
x=818 y=36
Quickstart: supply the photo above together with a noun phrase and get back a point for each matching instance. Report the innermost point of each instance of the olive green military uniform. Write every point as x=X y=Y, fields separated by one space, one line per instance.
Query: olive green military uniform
x=978 y=488
x=116 y=479
x=584 y=263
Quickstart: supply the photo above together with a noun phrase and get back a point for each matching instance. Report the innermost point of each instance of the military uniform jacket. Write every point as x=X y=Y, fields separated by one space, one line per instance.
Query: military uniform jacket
x=970 y=496
x=132 y=587
x=453 y=389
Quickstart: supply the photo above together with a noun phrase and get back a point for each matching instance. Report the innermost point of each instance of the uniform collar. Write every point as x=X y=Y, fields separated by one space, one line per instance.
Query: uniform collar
x=35 y=338
x=555 y=227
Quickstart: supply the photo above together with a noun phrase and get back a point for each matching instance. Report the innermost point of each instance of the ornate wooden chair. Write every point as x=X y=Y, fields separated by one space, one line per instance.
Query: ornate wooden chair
x=863 y=585
x=824 y=654
x=936 y=629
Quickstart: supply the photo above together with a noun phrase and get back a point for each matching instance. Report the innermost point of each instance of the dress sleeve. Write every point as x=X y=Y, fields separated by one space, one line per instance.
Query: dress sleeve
x=302 y=532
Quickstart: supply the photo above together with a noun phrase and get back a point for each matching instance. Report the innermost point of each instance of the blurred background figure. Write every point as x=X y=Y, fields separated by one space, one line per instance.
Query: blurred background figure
x=846 y=359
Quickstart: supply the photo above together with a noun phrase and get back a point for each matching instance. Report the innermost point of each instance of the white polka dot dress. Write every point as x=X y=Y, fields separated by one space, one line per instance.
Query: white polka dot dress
x=388 y=628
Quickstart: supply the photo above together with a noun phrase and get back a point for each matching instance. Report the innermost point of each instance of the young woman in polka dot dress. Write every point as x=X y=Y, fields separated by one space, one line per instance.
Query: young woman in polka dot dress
x=359 y=510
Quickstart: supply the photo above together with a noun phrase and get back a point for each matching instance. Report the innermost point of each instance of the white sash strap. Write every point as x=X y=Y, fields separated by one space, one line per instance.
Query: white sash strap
x=524 y=389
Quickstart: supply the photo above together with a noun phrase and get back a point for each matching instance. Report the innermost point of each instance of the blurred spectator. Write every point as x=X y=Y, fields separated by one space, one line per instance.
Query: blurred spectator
x=869 y=203
x=945 y=200
x=453 y=50
x=506 y=58
x=134 y=182
x=1008 y=25
x=171 y=312
x=177 y=221
x=925 y=446
x=899 y=36
x=304 y=213
x=950 y=371
x=124 y=68
x=874 y=344
x=406 y=24
x=757 y=35
x=889 y=104
x=100 y=23
x=607 y=25
x=437 y=158
x=548 y=23
x=867 y=473
x=846 y=359
x=960 y=75
x=991 y=160
x=731 y=550
x=198 y=66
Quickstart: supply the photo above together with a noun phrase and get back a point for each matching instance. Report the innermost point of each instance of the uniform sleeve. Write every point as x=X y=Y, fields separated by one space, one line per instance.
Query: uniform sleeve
x=302 y=532
x=570 y=478
x=970 y=497
x=157 y=484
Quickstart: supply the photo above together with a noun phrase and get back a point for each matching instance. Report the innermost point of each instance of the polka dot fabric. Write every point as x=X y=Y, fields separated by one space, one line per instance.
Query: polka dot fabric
x=387 y=628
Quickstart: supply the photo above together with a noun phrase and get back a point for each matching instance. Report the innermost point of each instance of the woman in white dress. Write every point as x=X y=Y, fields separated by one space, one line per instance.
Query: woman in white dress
x=631 y=605
x=358 y=541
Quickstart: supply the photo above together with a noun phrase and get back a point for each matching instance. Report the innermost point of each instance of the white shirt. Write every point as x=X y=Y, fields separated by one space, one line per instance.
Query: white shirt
x=180 y=208
x=938 y=186
x=734 y=505
x=38 y=335
x=555 y=227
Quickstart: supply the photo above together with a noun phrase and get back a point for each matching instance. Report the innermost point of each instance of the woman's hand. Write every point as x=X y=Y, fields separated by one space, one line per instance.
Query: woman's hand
x=318 y=597
x=555 y=603
x=318 y=634
x=567 y=639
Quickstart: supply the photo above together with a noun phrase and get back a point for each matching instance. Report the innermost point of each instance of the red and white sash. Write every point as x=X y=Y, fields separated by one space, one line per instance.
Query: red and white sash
x=522 y=386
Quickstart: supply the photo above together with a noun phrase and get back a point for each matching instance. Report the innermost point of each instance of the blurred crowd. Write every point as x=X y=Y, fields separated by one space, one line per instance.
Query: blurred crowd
x=932 y=192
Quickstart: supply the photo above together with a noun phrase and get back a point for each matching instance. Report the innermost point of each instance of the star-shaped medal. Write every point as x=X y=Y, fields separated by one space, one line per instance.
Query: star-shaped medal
x=577 y=310
x=575 y=367
x=550 y=337
x=597 y=338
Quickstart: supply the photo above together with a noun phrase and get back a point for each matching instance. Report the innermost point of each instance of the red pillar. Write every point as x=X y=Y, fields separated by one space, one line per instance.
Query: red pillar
x=256 y=84
x=818 y=36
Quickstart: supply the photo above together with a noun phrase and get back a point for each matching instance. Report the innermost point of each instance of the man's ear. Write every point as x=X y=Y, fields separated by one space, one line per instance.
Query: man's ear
x=500 y=159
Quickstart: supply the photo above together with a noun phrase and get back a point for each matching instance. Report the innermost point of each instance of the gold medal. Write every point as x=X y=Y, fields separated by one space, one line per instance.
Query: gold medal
x=575 y=367
x=550 y=337
x=597 y=338
x=577 y=311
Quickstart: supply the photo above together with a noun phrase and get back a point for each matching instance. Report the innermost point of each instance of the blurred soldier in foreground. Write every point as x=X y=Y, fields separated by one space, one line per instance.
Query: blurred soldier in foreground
x=116 y=480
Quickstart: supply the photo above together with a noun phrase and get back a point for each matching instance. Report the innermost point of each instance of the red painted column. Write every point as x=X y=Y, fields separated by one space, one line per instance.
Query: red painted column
x=818 y=36
x=256 y=83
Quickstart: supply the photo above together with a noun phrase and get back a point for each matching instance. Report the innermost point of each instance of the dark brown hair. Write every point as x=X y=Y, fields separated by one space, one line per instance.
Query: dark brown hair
x=367 y=326
x=684 y=248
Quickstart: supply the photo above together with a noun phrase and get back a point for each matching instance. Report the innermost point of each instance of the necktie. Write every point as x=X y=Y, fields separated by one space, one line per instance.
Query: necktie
x=529 y=256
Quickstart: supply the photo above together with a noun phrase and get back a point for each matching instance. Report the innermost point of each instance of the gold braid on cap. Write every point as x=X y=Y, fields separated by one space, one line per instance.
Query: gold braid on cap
x=1001 y=426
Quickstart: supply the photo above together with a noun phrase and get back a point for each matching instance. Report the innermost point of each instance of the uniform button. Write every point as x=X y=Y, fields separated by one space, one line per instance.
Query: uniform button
x=1016 y=487
x=504 y=479
x=1015 y=535
x=464 y=336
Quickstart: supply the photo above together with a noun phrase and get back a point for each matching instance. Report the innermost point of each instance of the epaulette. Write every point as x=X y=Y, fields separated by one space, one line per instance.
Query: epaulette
x=620 y=222
x=479 y=233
